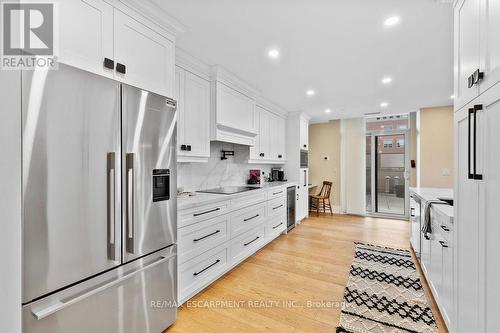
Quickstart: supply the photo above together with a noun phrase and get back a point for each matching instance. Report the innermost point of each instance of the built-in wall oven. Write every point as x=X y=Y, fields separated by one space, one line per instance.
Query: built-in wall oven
x=304 y=158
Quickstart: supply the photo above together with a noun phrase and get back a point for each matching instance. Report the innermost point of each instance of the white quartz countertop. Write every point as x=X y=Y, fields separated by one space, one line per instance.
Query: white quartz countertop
x=199 y=199
x=429 y=193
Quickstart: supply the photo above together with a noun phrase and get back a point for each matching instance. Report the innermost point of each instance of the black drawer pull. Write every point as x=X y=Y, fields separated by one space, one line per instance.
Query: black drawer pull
x=208 y=211
x=108 y=63
x=199 y=239
x=445 y=228
x=188 y=147
x=443 y=243
x=478 y=107
x=280 y=156
x=477 y=76
x=277 y=207
x=261 y=154
x=277 y=192
x=251 y=218
x=121 y=68
x=277 y=225
x=412 y=212
x=209 y=266
x=183 y=147
x=253 y=240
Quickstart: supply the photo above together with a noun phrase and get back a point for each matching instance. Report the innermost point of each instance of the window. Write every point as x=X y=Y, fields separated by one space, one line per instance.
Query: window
x=387 y=123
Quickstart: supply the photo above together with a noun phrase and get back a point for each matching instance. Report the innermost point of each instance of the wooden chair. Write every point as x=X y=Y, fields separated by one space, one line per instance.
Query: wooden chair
x=322 y=199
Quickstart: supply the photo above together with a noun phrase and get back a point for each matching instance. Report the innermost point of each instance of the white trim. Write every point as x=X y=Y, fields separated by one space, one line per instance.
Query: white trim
x=220 y=74
x=342 y=168
x=154 y=13
x=271 y=106
x=191 y=64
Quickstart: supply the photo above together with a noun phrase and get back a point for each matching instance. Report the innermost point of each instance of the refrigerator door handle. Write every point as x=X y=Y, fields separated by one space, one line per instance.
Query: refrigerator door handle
x=111 y=206
x=130 y=202
x=62 y=304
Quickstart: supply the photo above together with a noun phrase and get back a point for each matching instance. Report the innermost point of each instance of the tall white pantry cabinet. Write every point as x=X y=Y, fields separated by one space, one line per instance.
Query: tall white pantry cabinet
x=477 y=163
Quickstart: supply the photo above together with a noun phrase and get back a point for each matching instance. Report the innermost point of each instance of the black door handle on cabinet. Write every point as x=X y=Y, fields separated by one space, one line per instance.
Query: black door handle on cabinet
x=261 y=154
x=470 y=175
x=305 y=146
x=183 y=147
x=478 y=107
x=280 y=156
x=412 y=212
x=188 y=147
x=121 y=68
x=108 y=63
x=209 y=266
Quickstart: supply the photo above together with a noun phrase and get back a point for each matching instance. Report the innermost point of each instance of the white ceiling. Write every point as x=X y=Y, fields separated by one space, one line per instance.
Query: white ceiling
x=339 y=48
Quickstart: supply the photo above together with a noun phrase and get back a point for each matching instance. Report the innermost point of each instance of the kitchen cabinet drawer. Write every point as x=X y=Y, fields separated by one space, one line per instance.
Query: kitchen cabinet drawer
x=276 y=193
x=196 y=274
x=248 y=199
x=247 y=243
x=275 y=226
x=197 y=238
x=247 y=218
x=276 y=207
x=205 y=212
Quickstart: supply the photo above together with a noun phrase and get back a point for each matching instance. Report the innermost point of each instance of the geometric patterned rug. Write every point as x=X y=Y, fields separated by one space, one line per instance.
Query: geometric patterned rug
x=384 y=294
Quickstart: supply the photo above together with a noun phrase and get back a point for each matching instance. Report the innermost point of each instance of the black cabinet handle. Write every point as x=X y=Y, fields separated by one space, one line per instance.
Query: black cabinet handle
x=121 y=68
x=261 y=154
x=251 y=218
x=478 y=107
x=470 y=81
x=470 y=175
x=427 y=237
x=108 y=63
x=277 y=225
x=445 y=228
x=188 y=147
x=477 y=76
x=253 y=240
x=305 y=146
x=412 y=212
x=199 y=239
x=277 y=207
x=208 y=211
x=280 y=156
x=443 y=243
x=183 y=147
x=209 y=266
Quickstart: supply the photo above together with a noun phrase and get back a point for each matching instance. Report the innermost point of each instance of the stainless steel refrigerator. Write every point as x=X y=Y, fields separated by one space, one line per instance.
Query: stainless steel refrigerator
x=99 y=205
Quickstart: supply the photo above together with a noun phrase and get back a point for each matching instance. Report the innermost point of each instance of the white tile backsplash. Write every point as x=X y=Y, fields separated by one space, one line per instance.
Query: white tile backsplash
x=217 y=172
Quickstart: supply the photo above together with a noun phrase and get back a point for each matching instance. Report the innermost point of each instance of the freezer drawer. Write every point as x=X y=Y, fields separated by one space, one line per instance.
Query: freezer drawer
x=139 y=297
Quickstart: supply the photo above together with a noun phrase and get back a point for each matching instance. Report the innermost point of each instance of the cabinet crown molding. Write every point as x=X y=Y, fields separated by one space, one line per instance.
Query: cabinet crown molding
x=271 y=106
x=191 y=64
x=154 y=13
x=220 y=74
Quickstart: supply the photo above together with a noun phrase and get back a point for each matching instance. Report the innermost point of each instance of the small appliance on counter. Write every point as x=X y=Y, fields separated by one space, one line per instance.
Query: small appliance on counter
x=277 y=174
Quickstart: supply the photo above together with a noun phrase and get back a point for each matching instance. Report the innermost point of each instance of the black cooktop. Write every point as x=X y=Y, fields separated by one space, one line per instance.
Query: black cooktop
x=229 y=189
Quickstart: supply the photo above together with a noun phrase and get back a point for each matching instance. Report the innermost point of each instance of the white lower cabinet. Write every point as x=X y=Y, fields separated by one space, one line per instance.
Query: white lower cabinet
x=213 y=238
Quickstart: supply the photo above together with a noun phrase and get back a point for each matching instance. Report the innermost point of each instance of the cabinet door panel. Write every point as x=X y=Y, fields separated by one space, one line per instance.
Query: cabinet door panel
x=196 y=107
x=86 y=34
x=255 y=150
x=148 y=56
x=466 y=49
x=490 y=192
x=467 y=232
x=179 y=97
x=265 y=132
x=490 y=48
x=235 y=110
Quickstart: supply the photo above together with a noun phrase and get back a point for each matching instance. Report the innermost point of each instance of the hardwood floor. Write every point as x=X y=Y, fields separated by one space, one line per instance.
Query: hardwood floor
x=273 y=290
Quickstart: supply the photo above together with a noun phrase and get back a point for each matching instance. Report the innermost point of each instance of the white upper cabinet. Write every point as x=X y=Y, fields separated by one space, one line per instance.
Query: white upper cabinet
x=147 y=57
x=193 y=108
x=99 y=38
x=477 y=48
x=490 y=43
x=304 y=133
x=269 y=144
x=86 y=35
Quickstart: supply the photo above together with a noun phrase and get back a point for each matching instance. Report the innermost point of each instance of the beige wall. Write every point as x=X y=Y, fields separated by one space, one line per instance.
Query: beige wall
x=435 y=135
x=324 y=140
x=413 y=147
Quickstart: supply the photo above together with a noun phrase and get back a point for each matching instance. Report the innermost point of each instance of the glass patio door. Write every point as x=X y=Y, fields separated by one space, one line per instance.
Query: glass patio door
x=387 y=173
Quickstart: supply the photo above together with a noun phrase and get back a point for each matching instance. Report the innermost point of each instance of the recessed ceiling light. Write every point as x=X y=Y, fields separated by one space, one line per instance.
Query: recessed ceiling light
x=387 y=80
x=328 y=111
x=452 y=97
x=393 y=20
x=384 y=104
x=310 y=92
x=273 y=54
